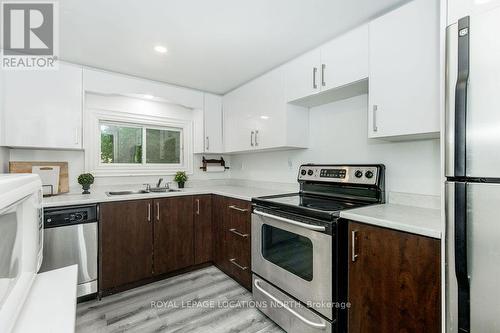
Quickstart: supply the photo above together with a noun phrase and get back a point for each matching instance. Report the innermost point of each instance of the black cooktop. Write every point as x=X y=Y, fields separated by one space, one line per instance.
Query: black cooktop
x=324 y=208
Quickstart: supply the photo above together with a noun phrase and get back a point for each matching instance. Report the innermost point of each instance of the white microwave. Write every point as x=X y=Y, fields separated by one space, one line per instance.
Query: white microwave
x=21 y=242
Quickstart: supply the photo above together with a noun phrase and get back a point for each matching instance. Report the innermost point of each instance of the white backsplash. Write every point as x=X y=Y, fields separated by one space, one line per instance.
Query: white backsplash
x=76 y=166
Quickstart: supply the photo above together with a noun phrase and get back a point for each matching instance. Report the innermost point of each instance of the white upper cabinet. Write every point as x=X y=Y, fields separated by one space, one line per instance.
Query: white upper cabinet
x=344 y=60
x=43 y=109
x=213 y=124
x=257 y=116
x=334 y=71
x=208 y=126
x=405 y=72
x=302 y=76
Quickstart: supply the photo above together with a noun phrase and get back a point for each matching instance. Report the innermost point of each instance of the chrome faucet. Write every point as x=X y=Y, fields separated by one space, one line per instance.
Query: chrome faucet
x=148 y=188
x=159 y=182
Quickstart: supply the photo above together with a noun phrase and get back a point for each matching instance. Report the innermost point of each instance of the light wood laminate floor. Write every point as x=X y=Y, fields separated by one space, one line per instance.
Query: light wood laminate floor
x=206 y=300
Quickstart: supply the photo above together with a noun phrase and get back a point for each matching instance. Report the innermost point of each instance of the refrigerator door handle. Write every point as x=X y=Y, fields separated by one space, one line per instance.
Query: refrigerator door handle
x=461 y=269
x=451 y=82
x=461 y=97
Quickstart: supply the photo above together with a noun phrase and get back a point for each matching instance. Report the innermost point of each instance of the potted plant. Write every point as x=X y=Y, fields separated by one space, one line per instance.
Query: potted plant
x=180 y=178
x=86 y=179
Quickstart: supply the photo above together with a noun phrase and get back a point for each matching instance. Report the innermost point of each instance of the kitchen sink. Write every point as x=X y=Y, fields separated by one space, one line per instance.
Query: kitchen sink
x=153 y=190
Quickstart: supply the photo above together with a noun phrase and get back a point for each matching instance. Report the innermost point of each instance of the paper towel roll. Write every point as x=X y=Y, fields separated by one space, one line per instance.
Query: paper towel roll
x=215 y=168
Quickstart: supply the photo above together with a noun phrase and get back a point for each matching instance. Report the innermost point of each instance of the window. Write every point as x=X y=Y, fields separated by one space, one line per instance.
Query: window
x=122 y=144
x=163 y=146
x=136 y=144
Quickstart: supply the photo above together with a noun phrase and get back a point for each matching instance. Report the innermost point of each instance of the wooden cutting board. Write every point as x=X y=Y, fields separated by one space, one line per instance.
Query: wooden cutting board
x=26 y=167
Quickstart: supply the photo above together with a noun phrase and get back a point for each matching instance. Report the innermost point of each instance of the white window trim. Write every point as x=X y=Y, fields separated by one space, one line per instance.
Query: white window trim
x=92 y=141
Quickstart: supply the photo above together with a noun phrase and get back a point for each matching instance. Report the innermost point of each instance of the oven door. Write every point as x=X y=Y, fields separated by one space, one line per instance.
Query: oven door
x=295 y=257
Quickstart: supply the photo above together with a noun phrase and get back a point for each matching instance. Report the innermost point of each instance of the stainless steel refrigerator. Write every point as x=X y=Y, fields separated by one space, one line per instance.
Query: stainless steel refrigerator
x=473 y=174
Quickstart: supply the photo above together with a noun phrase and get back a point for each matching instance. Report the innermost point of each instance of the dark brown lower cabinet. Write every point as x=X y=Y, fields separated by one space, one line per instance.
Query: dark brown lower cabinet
x=173 y=234
x=126 y=240
x=202 y=229
x=232 y=225
x=394 y=281
x=141 y=240
x=220 y=256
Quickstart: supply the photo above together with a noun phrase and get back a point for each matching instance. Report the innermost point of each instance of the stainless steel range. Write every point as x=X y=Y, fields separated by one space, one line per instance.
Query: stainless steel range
x=299 y=246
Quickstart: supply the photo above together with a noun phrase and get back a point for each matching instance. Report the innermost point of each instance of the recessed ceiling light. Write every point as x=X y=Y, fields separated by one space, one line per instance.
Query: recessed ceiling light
x=147 y=96
x=160 y=49
x=264 y=117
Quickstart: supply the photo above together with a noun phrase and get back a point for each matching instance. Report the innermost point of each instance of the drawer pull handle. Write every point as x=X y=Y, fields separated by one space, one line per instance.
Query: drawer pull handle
x=236 y=232
x=233 y=261
x=238 y=209
x=306 y=321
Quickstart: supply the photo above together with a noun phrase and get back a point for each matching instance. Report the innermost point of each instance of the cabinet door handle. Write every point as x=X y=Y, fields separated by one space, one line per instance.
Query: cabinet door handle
x=251 y=138
x=315 y=70
x=157 y=211
x=323 y=67
x=208 y=143
x=237 y=208
x=233 y=261
x=256 y=142
x=149 y=212
x=197 y=206
x=77 y=136
x=374 y=120
x=354 y=237
x=236 y=232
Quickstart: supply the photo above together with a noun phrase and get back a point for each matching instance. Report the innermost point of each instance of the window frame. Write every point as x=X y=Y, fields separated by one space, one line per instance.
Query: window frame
x=92 y=139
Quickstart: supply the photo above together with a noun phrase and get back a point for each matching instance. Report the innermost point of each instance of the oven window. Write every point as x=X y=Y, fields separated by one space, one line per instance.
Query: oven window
x=288 y=250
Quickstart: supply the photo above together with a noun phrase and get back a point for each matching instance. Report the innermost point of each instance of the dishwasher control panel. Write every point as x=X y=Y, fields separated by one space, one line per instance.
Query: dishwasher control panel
x=60 y=216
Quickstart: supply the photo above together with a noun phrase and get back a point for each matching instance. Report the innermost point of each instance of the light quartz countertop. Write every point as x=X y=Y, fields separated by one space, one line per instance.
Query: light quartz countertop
x=99 y=194
x=416 y=220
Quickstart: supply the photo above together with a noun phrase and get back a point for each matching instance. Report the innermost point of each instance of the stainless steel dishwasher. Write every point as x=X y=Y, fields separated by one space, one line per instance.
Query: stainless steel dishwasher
x=70 y=237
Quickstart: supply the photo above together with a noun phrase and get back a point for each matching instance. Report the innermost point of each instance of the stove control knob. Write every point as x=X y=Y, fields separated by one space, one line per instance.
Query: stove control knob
x=310 y=172
x=303 y=172
x=369 y=174
x=358 y=174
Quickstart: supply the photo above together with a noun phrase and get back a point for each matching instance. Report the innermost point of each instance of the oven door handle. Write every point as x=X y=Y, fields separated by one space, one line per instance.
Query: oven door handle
x=306 y=321
x=299 y=224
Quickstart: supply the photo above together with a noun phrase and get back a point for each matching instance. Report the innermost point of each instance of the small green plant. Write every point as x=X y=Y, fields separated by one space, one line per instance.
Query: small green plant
x=86 y=179
x=180 y=177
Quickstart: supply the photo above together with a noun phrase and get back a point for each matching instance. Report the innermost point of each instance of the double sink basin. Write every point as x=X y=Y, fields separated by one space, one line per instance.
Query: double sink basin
x=153 y=190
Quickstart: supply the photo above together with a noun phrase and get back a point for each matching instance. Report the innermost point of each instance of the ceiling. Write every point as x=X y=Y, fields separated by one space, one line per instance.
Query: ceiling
x=212 y=45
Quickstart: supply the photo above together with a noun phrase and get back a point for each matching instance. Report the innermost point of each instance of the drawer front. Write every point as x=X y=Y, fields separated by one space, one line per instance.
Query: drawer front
x=287 y=312
x=238 y=215
x=237 y=227
x=238 y=251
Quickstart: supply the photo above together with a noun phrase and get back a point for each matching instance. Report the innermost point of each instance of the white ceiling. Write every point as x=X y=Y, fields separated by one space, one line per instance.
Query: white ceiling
x=213 y=45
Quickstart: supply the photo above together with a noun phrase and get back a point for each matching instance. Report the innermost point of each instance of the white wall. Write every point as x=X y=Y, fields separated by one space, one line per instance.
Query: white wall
x=338 y=134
